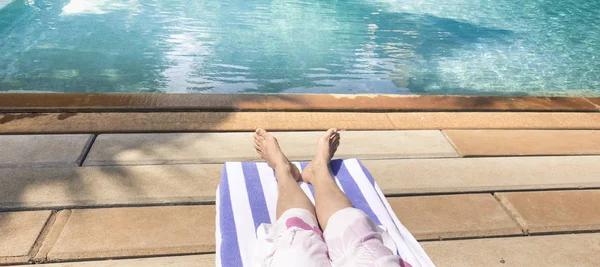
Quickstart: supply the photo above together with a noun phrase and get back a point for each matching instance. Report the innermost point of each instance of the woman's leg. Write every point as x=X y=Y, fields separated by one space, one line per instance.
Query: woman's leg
x=290 y=193
x=353 y=239
x=295 y=240
x=328 y=197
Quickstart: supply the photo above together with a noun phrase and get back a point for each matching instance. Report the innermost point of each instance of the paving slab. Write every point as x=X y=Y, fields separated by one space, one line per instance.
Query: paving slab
x=453 y=216
x=196 y=183
x=556 y=211
x=107 y=186
x=134 y=149
x=495 y=120
x=130 y=232
x=525 y=142
x=18 y=233
x=16 y=123
x=170 y=261
x=42 y=150
x=553 y=250
x=448 y=175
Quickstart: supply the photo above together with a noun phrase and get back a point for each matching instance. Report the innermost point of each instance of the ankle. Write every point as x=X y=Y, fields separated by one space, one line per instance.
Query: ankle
x=282 y=166
x=320 y=163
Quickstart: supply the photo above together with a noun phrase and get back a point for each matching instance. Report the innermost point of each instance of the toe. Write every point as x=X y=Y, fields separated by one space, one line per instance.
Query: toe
x=336 y=143
x=262 y=133
x=258 y=143
x=329 y=134
x=334 y=138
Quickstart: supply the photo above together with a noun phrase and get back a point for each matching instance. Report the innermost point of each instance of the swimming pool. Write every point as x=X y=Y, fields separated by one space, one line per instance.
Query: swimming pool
x=462 y=47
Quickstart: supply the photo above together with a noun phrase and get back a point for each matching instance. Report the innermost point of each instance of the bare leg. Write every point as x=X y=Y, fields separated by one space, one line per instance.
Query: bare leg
x=290 y=193
x=328 y=197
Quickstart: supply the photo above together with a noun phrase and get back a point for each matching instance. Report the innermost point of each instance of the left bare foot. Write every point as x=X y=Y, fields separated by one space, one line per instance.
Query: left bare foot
x=268 y=148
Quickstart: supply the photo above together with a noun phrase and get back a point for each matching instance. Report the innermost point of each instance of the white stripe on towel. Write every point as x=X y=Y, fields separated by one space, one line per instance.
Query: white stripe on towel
x=242 y=212
x=218 y=230
x=269 y=184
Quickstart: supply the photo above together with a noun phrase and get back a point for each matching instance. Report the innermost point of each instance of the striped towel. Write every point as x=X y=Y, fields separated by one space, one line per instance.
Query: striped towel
x=247 y=196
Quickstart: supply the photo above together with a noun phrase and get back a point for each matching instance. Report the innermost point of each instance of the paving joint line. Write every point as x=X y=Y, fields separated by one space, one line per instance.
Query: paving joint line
x=105 y=259
x=121 y=205
x=62 y=217
x=514 y=236
x=467 y=238
x=512 y=212
x=530 y=155
x=589 y=101
x=492 y=191
x=42 y=235
x=565 y=232
x=86 y=150
x=158 y=255
x=454 y=146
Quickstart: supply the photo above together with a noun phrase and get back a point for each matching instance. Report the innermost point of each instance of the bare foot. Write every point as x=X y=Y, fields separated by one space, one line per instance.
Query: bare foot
x=326 y=148
x=268 y=148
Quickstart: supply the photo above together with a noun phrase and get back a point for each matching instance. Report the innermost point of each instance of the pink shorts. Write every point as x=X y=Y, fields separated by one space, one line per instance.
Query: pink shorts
x=351 y=239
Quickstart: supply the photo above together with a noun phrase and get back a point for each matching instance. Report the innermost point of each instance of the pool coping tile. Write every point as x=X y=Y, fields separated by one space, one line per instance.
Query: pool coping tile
x=138 y=122
x=595 y=101
x=40 y=102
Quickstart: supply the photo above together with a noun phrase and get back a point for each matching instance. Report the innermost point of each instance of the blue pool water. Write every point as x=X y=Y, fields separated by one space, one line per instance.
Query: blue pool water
x=463 y=47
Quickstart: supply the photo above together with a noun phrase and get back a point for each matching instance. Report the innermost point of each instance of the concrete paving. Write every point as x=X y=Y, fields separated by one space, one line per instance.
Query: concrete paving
x=18 y=233
x=525 y=142
x=554 y=250
x=422 y=176
x=161 y=184
x=42 y=150
x=107 y=186
x=556 y=211
x=126 y=232
x=402 y=162
x=453 y=216
x=170 y=261
x=139 y=149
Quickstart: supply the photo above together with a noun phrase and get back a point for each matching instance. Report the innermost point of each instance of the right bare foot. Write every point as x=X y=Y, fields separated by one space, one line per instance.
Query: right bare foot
x=268 y=148
x=326 y=148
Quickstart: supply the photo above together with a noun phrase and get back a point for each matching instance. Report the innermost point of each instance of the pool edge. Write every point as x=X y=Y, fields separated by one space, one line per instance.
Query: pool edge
x=52 y=103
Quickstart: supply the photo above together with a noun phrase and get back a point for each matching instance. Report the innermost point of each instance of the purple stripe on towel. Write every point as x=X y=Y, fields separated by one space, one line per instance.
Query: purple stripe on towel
x=351 y=189
x=230 y=251
x=256 y=195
